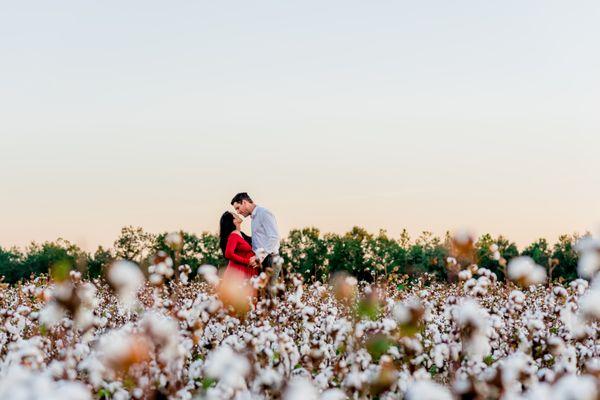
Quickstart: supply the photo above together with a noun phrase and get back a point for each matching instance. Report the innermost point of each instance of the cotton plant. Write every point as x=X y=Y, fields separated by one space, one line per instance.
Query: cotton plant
x=127 y=336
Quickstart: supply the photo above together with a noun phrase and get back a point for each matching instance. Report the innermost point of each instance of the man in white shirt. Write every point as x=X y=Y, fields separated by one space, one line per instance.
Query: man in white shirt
x=265 y=235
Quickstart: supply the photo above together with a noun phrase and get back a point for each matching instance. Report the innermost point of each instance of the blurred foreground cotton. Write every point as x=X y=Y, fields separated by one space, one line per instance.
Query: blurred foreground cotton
x=212 y=338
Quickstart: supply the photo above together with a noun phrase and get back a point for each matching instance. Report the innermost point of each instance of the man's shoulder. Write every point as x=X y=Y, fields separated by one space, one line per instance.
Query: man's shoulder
x=265 y=211
x=262 y=210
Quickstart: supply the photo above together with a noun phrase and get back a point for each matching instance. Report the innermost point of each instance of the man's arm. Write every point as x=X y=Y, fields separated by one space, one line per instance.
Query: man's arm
x=271 y=230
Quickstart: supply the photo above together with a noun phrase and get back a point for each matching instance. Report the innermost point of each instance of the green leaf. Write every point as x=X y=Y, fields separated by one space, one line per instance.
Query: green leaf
x=60 y=270
x=367 y=309
x=208 y=382
x=378 y=345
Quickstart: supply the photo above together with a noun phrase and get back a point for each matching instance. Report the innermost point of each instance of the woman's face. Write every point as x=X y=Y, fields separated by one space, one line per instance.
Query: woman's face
x=237 y=221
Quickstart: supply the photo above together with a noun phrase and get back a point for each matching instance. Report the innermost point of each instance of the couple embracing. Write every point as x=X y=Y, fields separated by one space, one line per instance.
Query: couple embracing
x=248 y=256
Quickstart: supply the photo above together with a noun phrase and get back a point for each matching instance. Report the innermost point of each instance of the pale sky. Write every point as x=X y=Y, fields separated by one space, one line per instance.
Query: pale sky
x=430 y=115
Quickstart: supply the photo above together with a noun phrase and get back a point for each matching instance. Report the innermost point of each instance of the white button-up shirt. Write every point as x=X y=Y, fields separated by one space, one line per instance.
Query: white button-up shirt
x=264 y=231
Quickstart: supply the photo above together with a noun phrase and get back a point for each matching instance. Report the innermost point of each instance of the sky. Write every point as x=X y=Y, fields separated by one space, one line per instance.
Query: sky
x=430 y=115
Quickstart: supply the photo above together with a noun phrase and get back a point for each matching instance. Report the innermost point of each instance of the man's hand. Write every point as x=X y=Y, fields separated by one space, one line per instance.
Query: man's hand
x=253 y=262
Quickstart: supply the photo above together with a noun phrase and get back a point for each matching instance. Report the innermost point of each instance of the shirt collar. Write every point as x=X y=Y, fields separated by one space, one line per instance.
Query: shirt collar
x=254 y=212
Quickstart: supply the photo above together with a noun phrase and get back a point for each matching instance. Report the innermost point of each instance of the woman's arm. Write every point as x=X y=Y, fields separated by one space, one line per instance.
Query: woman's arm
x=230 y=253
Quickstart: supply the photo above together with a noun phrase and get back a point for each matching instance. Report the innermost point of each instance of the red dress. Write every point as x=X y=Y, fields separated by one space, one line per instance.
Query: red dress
x=239 y=252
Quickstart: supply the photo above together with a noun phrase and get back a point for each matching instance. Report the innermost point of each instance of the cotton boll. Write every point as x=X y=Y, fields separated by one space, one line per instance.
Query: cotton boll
x=333 y=394
x=579 y=285
x=410 y=312
x=354 y=379
x=471 y=314
x=119 y=350
x=155 y=279
x=345 y=287
x=183 y=278
x=470 y=284
x=477 y=347
x=525 y=271
x=556 y=345
x=560 y=291
x=209 y=273
x=472 y=321
x=590 y=305
x=184 y=272
x=163 y=332
x=588 y=264
x=20 y=383
x=535 y=325
x=401 y=313
x=300 y=389
x=586 y=244
x=51 y=314
x=540 y=391
x=174 y=240
x=464 y=275
x=84 y=319
x=513 y=368
x=127 y=278
x=427 y=390
x=575 y=387
x=483 y=281
x=228 y=367
x=463 y=237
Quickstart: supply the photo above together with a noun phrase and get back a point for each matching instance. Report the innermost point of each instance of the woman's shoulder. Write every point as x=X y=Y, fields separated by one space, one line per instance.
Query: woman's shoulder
x=234 y=234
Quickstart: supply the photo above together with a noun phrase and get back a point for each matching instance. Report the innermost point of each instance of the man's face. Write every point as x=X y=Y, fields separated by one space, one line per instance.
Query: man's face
x=242 y=208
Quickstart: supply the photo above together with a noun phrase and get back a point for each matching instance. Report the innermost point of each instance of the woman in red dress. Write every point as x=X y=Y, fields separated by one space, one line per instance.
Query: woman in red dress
x=236 y=247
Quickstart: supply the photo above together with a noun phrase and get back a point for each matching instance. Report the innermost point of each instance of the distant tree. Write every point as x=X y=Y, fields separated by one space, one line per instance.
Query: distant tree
x=566 y=257
x=134 y=244
x=540 y=252
x=305 y=251
x=211 y=250
x=484 y=256
x=97 y=262
x=347 y=253
x=385 y=254
x=9 y=264
x=195 y=250
x=404 y=240
x=426 y=255
x=39 y=258
x=366 y=256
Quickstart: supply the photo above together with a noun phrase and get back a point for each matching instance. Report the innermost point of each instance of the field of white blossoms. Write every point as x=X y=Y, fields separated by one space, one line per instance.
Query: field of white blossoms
x=157 y=334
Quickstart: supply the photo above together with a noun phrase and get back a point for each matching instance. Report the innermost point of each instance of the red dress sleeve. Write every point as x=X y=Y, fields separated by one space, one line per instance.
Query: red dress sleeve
x=230 y=253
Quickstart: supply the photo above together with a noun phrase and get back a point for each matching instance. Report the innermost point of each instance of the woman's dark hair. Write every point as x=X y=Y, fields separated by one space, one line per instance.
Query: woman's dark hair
x=226 y=226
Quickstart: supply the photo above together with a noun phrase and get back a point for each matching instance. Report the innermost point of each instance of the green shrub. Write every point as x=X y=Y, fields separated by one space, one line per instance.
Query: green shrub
x=366 y=256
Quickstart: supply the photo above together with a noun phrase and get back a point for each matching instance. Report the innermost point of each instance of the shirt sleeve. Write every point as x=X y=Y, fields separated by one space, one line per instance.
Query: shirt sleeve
x=272 y=233
x=230 y=253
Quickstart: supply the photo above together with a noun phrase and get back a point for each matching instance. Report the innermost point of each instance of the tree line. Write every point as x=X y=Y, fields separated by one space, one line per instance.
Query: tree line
x=315 y=255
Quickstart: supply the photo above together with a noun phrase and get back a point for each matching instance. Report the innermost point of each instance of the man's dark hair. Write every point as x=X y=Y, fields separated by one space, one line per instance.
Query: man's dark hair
x=238 y=198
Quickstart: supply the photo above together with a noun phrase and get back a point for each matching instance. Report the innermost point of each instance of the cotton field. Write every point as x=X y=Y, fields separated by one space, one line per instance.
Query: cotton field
x=161 y=334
